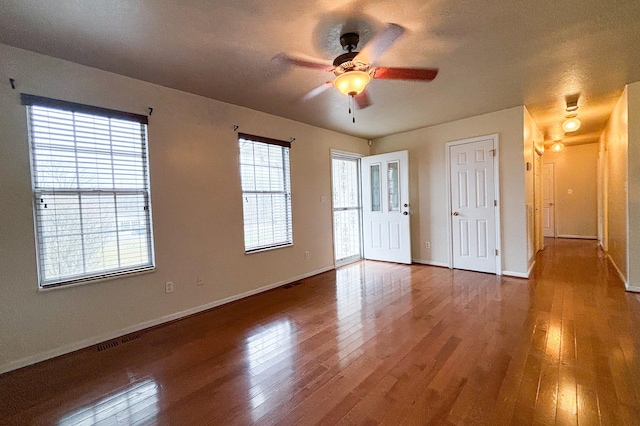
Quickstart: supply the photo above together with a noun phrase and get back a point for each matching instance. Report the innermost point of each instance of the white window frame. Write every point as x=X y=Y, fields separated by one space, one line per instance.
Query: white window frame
x=256 y=231
x=131 y=200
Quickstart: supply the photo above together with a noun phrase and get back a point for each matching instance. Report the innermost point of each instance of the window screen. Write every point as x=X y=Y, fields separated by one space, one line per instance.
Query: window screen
x=266 y=192
x=91 y=191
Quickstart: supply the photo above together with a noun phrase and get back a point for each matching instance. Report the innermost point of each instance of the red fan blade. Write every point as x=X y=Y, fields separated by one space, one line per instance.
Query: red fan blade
x=379 y=44
x=425 y=74
x=304 y=61
x=362 y=100
x=318 y=90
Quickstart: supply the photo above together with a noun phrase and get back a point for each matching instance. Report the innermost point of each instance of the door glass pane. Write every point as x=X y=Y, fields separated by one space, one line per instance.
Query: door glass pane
x=393 y=186
x=375 y=187
x=345 y=183
x=346 y=228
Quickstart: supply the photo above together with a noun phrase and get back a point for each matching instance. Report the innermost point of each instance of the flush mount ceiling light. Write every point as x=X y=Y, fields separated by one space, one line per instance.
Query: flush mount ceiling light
x=352 y=83
x=557 y=147
x=571 y=124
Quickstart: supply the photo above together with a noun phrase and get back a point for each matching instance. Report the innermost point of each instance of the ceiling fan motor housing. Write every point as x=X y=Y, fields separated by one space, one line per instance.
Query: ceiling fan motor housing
x=345 y=57
x=349 y=41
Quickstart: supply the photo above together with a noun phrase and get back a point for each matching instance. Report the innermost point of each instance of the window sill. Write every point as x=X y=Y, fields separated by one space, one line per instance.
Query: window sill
x=86 y=281
x=268 y=248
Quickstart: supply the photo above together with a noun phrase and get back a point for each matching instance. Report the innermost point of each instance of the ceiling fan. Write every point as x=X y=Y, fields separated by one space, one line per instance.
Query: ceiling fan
x=354 y=70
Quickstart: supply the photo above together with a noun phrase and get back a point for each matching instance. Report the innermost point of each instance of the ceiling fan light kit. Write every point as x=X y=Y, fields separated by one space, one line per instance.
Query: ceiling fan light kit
x=354 y=70
x=352 y=83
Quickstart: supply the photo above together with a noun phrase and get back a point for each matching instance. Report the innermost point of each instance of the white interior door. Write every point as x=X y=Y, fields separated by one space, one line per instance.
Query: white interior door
x=473 y=205
x=548 y=201
x=386 y=228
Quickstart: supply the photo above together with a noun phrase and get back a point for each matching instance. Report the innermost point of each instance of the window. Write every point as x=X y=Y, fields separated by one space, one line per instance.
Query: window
x=266 y=192
x=90 y=182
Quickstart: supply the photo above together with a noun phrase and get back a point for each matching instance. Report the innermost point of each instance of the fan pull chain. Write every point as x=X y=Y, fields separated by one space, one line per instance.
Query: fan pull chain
x=352 y=109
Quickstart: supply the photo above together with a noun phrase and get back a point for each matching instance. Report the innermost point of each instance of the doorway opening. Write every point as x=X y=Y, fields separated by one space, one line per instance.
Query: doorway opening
x=371 y=215
x=347 y=226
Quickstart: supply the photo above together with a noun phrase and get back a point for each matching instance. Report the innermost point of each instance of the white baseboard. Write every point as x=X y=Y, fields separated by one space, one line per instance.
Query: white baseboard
x=430 y=262
x=516 y=274
x=633 y=288
x=446 y=265
x=14 y=365
x=578 y=237
x=620 y=274
x=531 y=268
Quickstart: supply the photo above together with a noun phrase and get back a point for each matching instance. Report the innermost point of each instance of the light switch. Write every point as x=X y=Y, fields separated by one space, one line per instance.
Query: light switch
x=570 y=192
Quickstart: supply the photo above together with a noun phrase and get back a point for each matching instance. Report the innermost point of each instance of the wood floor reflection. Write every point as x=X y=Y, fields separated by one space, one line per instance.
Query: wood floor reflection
x=370 y=343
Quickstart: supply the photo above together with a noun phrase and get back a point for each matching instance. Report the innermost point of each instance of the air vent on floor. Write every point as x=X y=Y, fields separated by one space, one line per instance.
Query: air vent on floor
x=130 y=337
x=107 y=345
x=292 y=284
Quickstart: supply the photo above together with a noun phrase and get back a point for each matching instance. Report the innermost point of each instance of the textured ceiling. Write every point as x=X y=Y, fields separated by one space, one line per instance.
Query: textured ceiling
x=492 y=54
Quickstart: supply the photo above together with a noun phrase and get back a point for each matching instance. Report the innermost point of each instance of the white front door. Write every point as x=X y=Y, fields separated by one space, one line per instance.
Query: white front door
x=473 y=204
x=385 y=207
x=548 y=197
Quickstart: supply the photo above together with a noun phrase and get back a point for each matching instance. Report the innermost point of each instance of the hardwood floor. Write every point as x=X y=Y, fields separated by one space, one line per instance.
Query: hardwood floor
x=370 y=343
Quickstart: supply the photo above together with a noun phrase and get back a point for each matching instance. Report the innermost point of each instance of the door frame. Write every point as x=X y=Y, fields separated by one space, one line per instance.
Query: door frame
x=335 y=153
x=496 y=173
x=553 y=201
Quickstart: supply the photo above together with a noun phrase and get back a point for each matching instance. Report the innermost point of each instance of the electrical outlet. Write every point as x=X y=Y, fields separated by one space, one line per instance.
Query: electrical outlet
x=168 y=287
x=323 y=199
x=427 y=244
x=306 y=255
x=200 y=281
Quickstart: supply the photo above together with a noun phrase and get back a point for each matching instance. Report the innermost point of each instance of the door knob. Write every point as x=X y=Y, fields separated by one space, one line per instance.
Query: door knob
x=550 y=204
x=456 y=214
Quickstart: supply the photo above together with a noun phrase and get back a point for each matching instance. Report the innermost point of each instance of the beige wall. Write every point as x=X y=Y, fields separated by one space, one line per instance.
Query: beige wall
x=634 y=185
x=614 y=142
x=428 y=184
x=197 y=210
x=575 y=169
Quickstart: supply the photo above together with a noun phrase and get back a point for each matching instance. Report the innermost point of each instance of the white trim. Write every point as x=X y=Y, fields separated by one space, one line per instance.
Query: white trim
x=633 y=288
x=496 y=179
x=348 y=261
x=430 y=263
x=515 y=274
x=346 y=154
x=14 y=365
x=447 y=162
x=553 y=201
x=620 y=274
x=531 y=268
x=115 y=276
x=578 y=237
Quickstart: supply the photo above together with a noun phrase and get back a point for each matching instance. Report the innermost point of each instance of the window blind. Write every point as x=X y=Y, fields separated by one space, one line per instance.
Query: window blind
x=266 y=192
x=91 y=192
